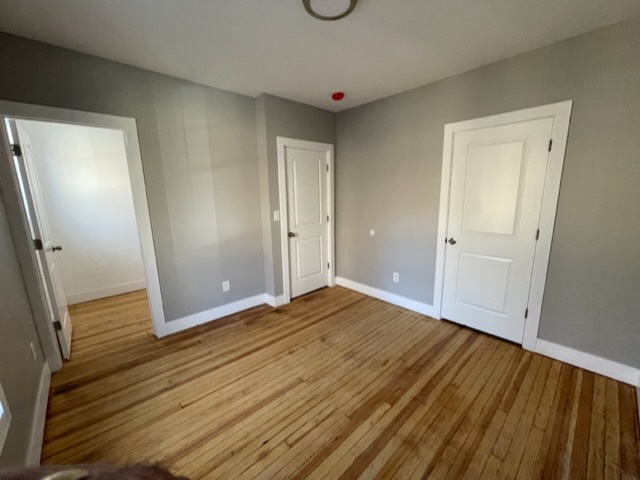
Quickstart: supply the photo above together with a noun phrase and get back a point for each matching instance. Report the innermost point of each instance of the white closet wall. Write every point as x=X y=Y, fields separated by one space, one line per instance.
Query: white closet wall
x=84 y=178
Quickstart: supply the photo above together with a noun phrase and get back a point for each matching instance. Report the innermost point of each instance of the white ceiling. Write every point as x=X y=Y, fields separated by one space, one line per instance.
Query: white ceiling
x=273 y=46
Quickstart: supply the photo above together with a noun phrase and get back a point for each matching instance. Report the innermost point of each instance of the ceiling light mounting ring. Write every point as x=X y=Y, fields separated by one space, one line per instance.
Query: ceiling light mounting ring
x=310 y=11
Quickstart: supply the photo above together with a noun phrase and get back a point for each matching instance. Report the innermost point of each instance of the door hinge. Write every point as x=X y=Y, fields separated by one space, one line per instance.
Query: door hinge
x=37 y=244
x=526 y=313
x=537 y=234
x=57 y=326
x=327 y=218
x=328 y=265
x=16 y=150
x=327 y=168
x=550 y=144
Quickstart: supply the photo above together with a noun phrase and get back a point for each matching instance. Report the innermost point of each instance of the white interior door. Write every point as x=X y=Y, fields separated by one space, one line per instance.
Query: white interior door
x=45 y=247
x=497 y=182
x=307 y=217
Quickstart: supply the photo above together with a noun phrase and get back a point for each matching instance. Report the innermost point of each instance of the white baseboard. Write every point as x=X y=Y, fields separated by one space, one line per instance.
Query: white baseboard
x=274 y=301
x=608 y=368
x=5 y=418
x=413 y=305
x=105 y=292
x=196 y=319
x=39 y=417
x=602 y=366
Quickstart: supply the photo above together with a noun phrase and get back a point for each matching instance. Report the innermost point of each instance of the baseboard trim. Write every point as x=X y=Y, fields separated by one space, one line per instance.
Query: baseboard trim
x=638 y=399
x=39 y=417
x=105 y=292
x=175 y=326
x=413 y=305
x=276 y=301
x=593 y=363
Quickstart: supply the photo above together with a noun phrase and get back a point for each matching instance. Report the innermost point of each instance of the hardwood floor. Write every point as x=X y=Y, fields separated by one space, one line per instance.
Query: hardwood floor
x=334 y=385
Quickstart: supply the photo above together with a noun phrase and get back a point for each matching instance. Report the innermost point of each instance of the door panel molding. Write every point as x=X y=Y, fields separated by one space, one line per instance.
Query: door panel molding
x=282 y=144
x=561 y=114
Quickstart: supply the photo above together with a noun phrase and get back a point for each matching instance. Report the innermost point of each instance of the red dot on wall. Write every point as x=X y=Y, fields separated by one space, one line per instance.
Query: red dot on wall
x=337 y=96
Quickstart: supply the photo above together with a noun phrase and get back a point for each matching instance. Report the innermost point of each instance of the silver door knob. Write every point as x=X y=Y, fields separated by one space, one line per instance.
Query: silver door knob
x=56 y=248
x=452 y=241
x=291 y=234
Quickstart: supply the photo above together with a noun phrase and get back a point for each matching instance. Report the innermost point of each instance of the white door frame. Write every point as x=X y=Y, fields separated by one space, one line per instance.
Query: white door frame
x=18 y=219
x=561 y=114
x=283 y=144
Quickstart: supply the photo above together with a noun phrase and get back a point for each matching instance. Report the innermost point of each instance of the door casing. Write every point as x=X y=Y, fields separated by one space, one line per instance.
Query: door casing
x=561 y=114
x=20 y=229
x=283 y=143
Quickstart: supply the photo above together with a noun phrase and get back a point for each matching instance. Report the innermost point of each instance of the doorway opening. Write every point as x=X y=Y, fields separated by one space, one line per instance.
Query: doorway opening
x=305 y=182
x=79 y=216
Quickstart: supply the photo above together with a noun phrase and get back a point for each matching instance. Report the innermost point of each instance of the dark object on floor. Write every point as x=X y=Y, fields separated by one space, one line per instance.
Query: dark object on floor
x=90 y=472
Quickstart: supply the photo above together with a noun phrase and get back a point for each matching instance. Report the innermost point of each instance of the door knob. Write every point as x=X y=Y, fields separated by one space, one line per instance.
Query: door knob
x=56 y=248
x=452 y=241
x=291 y=234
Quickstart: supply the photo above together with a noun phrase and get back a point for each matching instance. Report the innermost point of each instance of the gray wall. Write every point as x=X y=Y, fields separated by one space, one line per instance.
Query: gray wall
x=19 y=374
x=278 y=117
x=388 y=178
x=199 y=157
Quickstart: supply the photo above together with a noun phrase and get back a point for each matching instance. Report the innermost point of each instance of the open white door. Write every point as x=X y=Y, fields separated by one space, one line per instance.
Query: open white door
x=43 y=243
x=497 y=184
x=307 y=218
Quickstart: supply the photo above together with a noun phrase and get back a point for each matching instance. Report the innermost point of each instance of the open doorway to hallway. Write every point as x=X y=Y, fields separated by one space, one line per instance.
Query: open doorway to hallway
x=77 y=193
x=80 y=216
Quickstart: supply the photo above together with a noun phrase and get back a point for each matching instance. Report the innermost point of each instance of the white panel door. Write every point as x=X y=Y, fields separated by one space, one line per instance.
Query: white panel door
x=497 y=182
x=307 y=216
x=39 y=226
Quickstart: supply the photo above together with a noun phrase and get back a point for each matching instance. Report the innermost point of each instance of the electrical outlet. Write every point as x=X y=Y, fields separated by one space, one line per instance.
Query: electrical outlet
x=33 y=352
x=396 y=277
x=225 y=286
x=276 y=215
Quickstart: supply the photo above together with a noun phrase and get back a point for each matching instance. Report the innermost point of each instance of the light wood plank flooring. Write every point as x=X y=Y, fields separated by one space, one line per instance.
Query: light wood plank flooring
x=335 y=385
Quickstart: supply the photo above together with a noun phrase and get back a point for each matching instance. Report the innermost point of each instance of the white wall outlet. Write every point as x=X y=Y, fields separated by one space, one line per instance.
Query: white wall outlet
x=33 y=352
x=225 y=286
x=276 y=215
x=396 y=277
